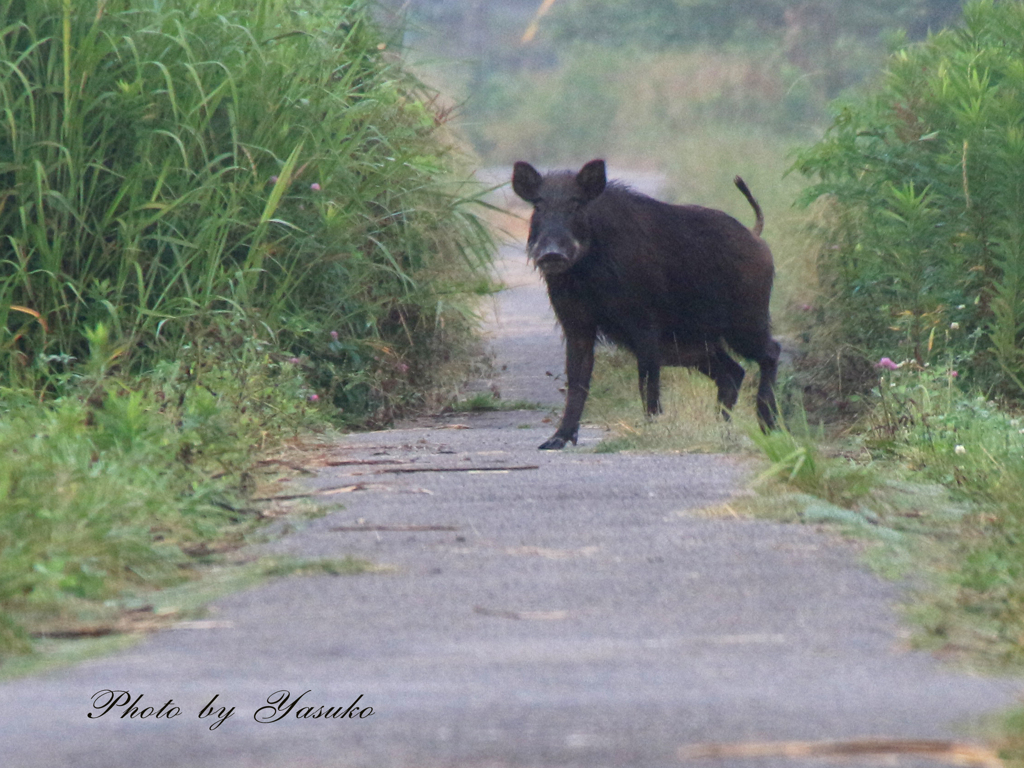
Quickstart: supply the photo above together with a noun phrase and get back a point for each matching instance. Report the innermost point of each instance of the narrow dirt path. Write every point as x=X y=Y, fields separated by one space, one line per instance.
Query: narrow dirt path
x=540 y=609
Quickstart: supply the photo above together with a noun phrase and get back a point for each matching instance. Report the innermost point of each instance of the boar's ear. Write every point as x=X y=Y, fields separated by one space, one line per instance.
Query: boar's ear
x=526 y=182
x=592 y=179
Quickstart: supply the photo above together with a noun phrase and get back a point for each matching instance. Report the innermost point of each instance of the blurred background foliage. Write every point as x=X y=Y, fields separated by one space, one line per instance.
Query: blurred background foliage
x=225 y=222
x=770 y=63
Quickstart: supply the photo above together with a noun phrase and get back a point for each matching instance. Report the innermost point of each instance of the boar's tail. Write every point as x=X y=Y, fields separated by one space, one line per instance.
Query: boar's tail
x=759 y=225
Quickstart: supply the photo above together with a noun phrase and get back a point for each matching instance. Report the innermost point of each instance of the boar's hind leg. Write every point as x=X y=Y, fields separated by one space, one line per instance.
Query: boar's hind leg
x=648 y=368
x=579 y=364
x=769 y=363
x=727 y=374
x=649 y=376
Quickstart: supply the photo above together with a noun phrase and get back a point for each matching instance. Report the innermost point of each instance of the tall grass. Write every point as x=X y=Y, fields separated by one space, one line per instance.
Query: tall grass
x=165 y=164
x=220 y=224
x=920 y=417
x=918 y=194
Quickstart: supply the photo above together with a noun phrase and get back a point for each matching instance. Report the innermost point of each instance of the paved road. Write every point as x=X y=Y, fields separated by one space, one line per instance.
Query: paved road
x=542 y=609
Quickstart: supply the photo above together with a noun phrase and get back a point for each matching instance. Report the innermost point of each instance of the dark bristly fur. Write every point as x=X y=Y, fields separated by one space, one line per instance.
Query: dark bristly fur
x=670 y=283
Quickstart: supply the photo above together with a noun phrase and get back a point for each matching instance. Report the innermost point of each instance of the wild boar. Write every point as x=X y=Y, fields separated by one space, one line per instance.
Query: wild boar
x=674 y=284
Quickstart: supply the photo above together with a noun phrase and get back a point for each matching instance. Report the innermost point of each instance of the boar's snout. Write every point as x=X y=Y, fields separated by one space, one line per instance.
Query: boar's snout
x=554 y=255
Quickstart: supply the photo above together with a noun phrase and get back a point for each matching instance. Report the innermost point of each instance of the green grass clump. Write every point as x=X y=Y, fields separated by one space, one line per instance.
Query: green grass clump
x=127 y=484
x=89 y=512
x=924 y=420
x=799 y=462
x=489 y=401
x=106 y=492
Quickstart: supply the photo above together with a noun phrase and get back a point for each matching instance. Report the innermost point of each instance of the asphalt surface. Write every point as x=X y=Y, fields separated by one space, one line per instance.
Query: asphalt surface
x=539 y=609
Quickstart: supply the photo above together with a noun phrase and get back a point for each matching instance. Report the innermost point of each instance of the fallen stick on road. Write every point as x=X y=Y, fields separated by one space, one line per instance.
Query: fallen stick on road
x=288 y=464
x=398 y=470
x=522 y=615
x=350 y=462
x=327 y=492
x=345 y=528
x=951 y=752
x=345 y=489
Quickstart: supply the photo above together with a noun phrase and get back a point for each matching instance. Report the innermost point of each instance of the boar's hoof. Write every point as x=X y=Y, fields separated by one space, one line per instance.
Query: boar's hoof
x=556 y=443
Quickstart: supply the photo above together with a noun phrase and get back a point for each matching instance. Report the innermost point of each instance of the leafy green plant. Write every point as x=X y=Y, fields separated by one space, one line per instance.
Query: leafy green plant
x=919 y=190
x=89 y=511
x=103 y=493
x=921 y=414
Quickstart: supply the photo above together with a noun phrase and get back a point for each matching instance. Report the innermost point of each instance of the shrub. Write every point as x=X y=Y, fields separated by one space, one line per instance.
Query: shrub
x=919 y=187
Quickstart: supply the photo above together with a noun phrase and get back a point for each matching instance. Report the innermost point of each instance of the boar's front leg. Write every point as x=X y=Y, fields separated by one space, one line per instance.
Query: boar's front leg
x=579 y=365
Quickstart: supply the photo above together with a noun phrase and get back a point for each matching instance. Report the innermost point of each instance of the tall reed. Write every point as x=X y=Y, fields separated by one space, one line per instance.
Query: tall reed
x=164 y=164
